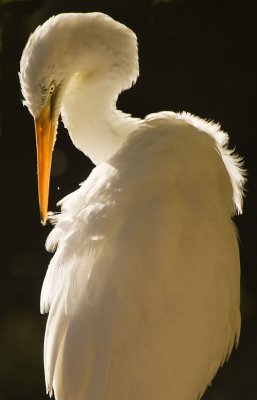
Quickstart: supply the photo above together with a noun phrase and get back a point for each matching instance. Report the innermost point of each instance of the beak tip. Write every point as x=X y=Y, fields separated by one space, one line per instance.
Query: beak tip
x=43 y=219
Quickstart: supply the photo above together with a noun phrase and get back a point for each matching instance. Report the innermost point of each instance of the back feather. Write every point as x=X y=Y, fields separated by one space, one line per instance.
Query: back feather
x=144 y=283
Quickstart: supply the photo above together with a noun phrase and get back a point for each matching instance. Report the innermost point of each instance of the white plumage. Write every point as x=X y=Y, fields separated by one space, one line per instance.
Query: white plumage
x=143 y=290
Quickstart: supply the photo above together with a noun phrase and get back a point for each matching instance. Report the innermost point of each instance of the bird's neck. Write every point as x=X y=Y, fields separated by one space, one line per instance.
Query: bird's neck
x=89 y=113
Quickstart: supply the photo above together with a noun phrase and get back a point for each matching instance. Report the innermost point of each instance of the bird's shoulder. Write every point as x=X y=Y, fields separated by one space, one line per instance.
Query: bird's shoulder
x=168 y=147
x=166 y=151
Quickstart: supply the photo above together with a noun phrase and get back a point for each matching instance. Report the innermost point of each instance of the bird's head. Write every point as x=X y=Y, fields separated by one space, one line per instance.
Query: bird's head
x=63 y=46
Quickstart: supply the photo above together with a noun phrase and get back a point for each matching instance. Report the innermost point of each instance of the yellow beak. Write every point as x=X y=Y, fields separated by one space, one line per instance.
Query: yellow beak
x=45 y=126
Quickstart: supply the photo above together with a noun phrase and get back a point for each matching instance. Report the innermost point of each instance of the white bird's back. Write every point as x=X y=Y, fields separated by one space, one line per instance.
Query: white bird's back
x=146 y=304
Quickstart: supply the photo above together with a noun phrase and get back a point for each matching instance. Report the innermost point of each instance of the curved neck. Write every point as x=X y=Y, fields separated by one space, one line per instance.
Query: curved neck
x=89 y=113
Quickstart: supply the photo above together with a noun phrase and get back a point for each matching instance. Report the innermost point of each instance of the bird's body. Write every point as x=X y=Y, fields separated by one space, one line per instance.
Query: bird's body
x=143 y=291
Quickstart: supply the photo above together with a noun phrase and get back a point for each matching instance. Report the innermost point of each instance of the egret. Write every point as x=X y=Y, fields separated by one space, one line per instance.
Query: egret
x=143 y=291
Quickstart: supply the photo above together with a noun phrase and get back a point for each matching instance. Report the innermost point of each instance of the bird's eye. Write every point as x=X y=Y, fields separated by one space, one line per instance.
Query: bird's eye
x=51 y=88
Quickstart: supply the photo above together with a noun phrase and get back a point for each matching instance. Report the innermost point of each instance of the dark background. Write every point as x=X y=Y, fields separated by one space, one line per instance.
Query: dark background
x=198 y=56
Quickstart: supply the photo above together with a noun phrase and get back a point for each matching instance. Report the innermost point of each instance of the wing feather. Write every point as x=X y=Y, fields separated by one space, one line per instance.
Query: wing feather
x=144 y=284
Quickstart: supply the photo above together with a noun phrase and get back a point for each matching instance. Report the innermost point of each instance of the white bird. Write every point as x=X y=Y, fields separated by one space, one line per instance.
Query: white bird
x=143 y=290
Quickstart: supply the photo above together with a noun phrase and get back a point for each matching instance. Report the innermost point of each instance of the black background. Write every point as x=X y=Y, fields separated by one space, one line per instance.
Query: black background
x=198 y=56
